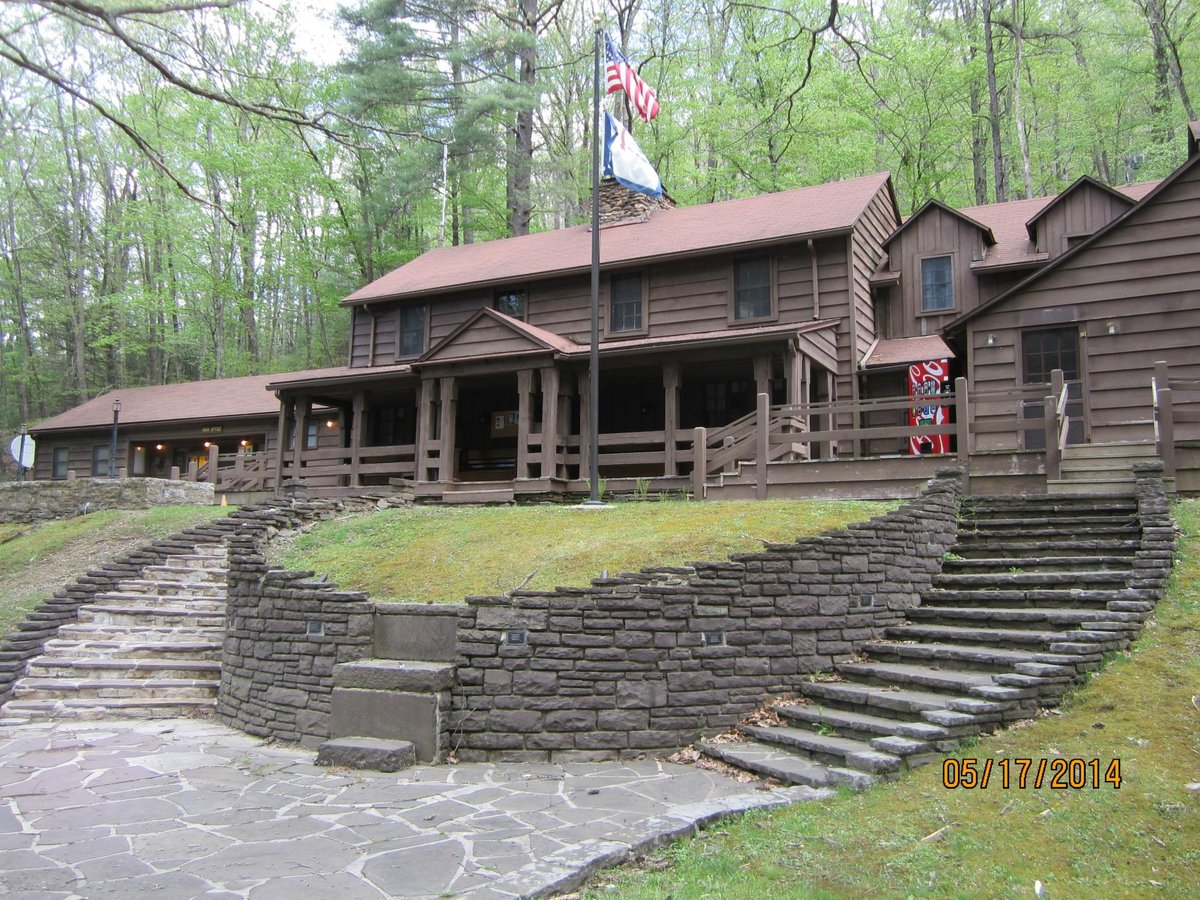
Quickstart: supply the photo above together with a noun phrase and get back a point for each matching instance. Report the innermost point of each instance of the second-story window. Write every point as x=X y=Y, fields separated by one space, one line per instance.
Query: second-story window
x=752 y=288
x=412 y=330
x=937 y=283
x=625 y=302
x=511 y=303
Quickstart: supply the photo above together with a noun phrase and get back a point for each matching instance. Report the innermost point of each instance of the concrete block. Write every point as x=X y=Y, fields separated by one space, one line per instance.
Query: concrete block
x=389 y=715
x=367 y=753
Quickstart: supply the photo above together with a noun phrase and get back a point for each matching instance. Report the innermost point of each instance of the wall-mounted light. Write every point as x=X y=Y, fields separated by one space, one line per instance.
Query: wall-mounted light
x=329 y=423
x=160 y=447
x=991 y=340
x=207 y=444
x=1111 y=327
x=245 y=443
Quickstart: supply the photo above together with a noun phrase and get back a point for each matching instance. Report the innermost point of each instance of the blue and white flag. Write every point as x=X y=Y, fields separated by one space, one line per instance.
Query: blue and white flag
x=625 y=161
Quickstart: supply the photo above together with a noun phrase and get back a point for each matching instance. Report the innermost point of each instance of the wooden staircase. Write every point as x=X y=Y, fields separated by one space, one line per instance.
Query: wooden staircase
x=1034 y=594
x=1101 y=469
x=149 y=649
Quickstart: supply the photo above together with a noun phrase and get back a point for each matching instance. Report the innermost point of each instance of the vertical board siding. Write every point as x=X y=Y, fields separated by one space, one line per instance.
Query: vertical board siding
x=877 y=222
x=1084 y=210
x=1144 y=278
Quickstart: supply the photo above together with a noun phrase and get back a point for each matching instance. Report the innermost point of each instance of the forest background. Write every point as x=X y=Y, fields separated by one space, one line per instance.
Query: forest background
x=188 y=190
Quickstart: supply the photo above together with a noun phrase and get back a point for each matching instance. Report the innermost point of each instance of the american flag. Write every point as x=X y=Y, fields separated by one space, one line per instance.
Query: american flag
x=622 y=76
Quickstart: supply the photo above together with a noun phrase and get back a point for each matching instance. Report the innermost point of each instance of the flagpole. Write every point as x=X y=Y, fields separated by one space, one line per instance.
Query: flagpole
x=594 y=363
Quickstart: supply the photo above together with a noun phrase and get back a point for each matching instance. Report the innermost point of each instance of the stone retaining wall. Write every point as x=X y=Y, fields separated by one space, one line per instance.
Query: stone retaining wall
x=649 y=662
x=285 y=631
x=34 y=501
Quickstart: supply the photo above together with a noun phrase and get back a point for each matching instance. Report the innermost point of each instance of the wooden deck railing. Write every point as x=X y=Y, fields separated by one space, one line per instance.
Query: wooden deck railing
x=236 y=471
x=1176 y=414
x=340 y=467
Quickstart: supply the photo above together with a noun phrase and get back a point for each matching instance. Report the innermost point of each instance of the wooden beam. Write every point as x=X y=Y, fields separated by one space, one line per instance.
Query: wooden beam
x=303 y=411
x=670 y=417
x=524 y=420
x=358 y=414
x=762 y=374
x=287 y=409
x=446 y=456
x=763 y=427
x=699 y=462
x=585 y=424
x=550 y=390
x=421 y=461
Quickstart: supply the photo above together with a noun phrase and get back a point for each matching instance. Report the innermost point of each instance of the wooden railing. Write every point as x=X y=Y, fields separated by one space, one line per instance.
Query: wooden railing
x=1176 y=403
x=340 y=467
x=236 y=471
x=772 y=433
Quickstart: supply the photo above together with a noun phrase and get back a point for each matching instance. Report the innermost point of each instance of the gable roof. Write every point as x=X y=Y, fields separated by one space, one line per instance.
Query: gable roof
x=726 y=226
x=1079 y=184
x=1149 y=191
x=949 y=210
x=223 y=398
x=488 y=323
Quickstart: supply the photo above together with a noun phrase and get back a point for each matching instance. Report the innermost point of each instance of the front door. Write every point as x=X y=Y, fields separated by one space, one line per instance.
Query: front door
x=1043 y=351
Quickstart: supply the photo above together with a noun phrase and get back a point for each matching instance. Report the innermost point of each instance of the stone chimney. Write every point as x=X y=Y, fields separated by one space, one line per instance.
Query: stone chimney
x=620 y=204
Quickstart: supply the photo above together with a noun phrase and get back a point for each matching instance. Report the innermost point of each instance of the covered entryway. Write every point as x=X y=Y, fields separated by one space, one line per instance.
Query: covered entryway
x=486 y=428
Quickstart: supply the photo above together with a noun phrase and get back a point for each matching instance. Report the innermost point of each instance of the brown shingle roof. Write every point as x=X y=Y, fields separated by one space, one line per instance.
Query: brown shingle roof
x=223 y=398
x=902 y=351
x=804 y=212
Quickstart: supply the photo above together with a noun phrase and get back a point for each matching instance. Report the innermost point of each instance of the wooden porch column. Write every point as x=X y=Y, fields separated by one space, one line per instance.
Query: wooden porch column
x=303 y=411
x=524 y=420
x=762 y=374
x=214 y=463
x=358 y=414
x=670 y=417
x=446 y=456
x=796 y=374
x=550 y=388
x=585 y=424
x=287 y=411
x=421 y=461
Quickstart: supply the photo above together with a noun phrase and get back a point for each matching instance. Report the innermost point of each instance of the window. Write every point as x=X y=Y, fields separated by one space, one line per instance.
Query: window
x=62 y=462
x=511 y=303
x=412 y=330
x=625 y=302
x=1045 y=351
x=100 y=458
x=937 y=286
x=752 y=288
x=310 y=436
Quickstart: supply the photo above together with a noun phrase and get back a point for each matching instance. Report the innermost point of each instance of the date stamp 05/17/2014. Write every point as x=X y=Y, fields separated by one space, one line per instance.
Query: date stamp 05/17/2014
x=1059 y=773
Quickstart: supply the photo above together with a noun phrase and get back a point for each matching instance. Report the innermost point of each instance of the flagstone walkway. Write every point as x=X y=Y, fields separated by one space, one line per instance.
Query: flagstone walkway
x=185 y=807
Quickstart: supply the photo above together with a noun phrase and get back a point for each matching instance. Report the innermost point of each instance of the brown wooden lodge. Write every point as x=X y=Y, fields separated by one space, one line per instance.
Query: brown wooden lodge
x=755 y=347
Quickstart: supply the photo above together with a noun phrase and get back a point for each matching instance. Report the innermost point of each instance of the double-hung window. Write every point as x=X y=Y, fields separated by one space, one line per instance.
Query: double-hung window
x=937 y=283
x=752 y=288
x=625 y=302
x=412 y=330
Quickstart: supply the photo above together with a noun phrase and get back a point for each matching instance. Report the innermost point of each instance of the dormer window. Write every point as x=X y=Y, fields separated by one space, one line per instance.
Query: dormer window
x=511 y=303
x=937 y=283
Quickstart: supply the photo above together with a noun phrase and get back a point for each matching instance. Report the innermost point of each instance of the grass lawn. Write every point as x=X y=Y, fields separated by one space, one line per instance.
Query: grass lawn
x=1140 y=840
x=37 y=560
x=439 y=554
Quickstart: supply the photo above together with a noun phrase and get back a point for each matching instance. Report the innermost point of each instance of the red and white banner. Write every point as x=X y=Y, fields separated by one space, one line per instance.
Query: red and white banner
x=928 y=379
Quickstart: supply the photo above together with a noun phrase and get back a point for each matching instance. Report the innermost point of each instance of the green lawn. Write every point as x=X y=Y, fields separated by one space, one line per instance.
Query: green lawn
x=1140 y=840
x=36 y=560
x=438 y=554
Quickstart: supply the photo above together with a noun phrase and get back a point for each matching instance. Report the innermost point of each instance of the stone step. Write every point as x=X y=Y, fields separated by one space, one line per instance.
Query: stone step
x=898 y=703
x=1063 y=522
x=998 y=637
x=152 y=616
x=1066 y=545
x=829 y=749
x=411 y=676
x=123 y=669
x=184 y=574
x=374 y=754
x=172 y=588
x=965 y=656
x=862 y=726
x=215 y=562
x=104 y=708
x=119 y=600
x=1046 y=597
x=1092 y=483
x=783 y=765
x=955 y=564
x=135 y=632
x=81 y=648
x=1024 y=617
x=999 y=581
x=116 y=688
x=954 y=681
x=1043 y=505
x=988 y=532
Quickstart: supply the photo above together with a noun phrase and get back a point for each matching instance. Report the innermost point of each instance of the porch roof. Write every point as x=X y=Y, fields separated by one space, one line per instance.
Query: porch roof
x=902 y=351
x=335 y=375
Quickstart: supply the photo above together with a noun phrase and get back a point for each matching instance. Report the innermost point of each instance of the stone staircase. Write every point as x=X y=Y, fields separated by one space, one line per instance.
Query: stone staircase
x=1101 y=469
x=1034 y=594
x=149 y=648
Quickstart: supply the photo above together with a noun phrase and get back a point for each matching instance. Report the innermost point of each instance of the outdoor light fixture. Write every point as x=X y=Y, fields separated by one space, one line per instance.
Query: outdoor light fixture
x=207 y=444
x=1111 y=327
x=159 y=447
x=330 y=423
x=991 y=340
x=112 y=450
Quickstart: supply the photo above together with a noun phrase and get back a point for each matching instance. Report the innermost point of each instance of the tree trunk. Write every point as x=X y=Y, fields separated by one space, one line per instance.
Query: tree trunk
x=520 y=159
x=1018 y=111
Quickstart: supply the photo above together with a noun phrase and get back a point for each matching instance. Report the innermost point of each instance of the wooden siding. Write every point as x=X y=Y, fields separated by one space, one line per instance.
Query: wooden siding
x=936 y=233
x=877 y=222
x=1140 y=281
x=360 y=337
x=1083 y=211
x=486 y=337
